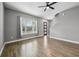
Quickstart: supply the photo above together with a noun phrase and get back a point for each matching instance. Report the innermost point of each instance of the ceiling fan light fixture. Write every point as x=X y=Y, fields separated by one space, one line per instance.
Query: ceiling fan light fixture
x=47 y=7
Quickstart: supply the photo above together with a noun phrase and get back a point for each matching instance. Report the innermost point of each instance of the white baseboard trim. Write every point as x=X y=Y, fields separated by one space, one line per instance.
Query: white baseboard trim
x=22 y=39
x=2 y=49
x=71 y=41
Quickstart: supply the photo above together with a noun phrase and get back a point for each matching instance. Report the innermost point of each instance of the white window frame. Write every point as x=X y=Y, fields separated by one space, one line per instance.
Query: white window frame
x=22 y=28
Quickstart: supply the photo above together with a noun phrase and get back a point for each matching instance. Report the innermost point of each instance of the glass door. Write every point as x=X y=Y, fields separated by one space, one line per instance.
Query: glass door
x=45 y=28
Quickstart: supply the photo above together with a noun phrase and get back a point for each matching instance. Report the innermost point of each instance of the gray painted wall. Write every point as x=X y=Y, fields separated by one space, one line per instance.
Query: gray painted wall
x=66 y=26
x=1 y=24
x=11 y=25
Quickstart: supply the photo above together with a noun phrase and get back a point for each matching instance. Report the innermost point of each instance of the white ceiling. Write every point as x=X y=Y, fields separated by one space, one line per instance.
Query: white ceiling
x=32 y=8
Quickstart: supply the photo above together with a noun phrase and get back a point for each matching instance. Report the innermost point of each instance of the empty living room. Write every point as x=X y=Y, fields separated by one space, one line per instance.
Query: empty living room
x=39 y=29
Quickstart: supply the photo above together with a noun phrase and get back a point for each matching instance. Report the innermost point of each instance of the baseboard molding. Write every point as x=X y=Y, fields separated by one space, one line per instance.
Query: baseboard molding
x=2 y=49
x=71 y=41
x=22 y=39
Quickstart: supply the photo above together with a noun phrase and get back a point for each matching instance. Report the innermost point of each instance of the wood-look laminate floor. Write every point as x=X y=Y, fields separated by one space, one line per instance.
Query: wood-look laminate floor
x=41 y=47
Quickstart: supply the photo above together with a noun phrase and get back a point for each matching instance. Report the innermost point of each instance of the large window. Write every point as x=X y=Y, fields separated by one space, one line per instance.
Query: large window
x=28 y=26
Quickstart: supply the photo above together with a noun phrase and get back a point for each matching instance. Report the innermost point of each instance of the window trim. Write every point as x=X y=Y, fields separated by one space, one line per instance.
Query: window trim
x=29 y=32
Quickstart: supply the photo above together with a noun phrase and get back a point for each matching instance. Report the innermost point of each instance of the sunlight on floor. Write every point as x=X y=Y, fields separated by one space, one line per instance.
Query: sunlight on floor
x=29 y=49
x=45 y=41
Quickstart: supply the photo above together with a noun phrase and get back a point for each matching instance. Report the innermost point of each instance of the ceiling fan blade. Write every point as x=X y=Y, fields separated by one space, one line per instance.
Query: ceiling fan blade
x=45 y=9
x=41 y=6
x=53 y=3
x=51 y=7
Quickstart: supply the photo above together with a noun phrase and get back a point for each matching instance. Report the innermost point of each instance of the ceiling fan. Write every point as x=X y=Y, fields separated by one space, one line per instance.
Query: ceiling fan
x=48 y=5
